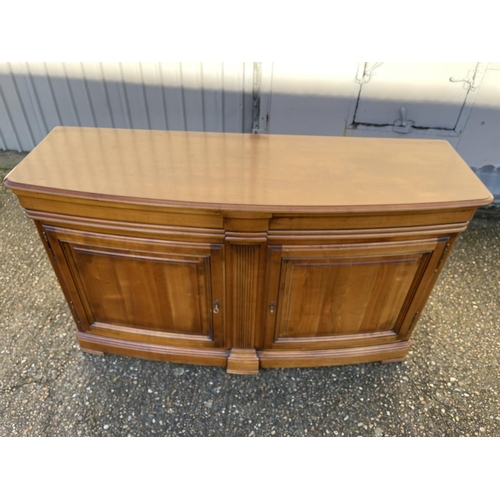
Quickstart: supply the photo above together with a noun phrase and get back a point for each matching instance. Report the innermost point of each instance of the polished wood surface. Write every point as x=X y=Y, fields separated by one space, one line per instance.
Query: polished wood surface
x=327 y=292
x=344 y=295
x=242 y=171
x=141 y=289
x=243 y=251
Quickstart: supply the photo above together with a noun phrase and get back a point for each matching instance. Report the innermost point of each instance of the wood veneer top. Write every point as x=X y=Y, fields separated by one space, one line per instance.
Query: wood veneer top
x=243 y=171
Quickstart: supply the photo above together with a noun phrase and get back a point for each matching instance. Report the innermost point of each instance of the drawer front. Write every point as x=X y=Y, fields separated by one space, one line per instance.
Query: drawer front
x=142 y=290
x=346 y=295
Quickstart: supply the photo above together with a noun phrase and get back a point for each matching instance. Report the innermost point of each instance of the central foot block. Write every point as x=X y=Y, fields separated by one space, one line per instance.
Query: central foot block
x=243 y=362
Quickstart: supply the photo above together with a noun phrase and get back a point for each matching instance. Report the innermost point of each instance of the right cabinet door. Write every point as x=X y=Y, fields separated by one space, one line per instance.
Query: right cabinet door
x=329 y=296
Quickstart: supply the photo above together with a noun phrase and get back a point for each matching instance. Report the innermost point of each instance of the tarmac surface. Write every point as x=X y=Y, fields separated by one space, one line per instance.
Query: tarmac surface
x=449 y=385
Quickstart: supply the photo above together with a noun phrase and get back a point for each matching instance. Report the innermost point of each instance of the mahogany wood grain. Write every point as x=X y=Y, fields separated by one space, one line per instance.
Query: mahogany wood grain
x=246 y=251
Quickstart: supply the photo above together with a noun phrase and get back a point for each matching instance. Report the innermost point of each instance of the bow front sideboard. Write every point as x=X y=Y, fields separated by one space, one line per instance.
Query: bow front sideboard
x=245 y=251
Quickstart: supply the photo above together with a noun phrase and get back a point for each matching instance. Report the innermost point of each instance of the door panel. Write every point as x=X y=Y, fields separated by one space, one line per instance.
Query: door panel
x=142 y=289
x=113 y=284
x=343 y=296
x=348 y=294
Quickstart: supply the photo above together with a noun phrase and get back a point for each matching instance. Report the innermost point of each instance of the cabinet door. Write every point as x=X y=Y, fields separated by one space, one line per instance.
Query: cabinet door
x=142 y=290
x=347 y=295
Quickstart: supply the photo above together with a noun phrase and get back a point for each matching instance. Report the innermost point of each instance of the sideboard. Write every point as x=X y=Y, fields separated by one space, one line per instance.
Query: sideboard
x=245 y=251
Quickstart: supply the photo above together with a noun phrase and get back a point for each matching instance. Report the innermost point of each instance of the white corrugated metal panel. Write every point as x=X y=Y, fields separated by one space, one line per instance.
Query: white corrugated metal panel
x=36 y=97
x=307 y=98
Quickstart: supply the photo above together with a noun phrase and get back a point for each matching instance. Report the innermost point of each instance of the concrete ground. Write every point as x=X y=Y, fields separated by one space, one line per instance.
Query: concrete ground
x=448 y=386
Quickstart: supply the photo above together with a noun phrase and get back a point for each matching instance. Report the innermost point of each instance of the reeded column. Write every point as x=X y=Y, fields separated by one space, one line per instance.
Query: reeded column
x=246 y=247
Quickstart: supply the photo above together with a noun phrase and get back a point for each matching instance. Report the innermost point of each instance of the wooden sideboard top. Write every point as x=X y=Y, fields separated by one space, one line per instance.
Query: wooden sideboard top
x=249 y=172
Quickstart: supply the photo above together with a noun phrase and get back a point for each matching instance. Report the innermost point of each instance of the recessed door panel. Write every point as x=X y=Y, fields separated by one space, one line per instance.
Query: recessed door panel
x=167 y=292
x=143 y=290
x=325 y=296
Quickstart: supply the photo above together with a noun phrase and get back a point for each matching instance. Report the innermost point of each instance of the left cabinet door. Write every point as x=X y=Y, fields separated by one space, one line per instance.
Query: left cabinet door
x=143 y=290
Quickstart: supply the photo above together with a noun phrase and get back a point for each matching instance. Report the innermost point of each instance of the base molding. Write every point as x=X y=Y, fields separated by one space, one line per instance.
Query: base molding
x=245 y=361
x=274 y=358
x=175 y=354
